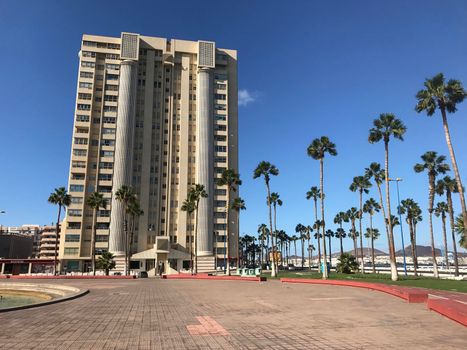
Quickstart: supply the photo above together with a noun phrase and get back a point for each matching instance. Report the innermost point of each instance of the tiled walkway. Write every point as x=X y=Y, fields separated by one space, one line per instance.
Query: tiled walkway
x=190 y=314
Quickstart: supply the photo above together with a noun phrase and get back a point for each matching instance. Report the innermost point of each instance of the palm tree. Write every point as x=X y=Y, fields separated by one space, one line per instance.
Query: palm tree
x=329 y=234
x=95 y=201
x=318 y=235
x=195 y=194
x=372 y=233
x=300 y=229
x=339 y=219
x=275 y=201
x=440 y=211
x=353 y=214
x=360 y=184
x=189 y=205
x=445 y=97
x=375 y=172
x=294 y=239
x=61 y=198
x=231 y=180
x=460 y=229
x=125 y=195
x=311 y=247
x=413 y=215
x=266 y=170
x=385 y=127
x=317 y=150
x=135 y=211
x=106 y=262
x=263 y=235
x=448 y=185
x=371 y=207
x=237 y=205
x=434 y=165
x=307 y=235
x=340 y=233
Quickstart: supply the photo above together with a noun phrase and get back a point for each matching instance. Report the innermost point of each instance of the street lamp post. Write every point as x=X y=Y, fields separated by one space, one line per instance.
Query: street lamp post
x=400 y=221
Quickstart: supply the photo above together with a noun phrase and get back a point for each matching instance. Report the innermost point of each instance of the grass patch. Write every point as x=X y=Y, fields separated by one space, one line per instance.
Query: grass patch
x=409 y=281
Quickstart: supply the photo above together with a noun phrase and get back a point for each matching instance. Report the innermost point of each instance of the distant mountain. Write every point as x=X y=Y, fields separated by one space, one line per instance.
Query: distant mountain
x=421 y=251
x=366 y=251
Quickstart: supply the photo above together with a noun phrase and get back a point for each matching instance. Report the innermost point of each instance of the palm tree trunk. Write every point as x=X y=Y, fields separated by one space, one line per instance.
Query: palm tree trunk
x=273 y=267
x=392 y=251
x=319 y=244
x=190 y=242
x=445 y=241
x=381 y=203
x=361 y=231
x=451 y=222
x=460 y=188
x=93 y=242
x=372 y=244
x=431 y=198
x=330 y=252
x=354 y=239
x=373 y=252
x=57 y=232
x=227 y=214
x=125 y=229
x=340 y=239
x=275 y=234
x=321 y=185
x=196 y=238
x=303 y=252
x=412 y=244
x=415 y=246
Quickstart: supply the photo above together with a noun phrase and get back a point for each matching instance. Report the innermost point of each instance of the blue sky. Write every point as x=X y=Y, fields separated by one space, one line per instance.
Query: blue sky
x=307 y=69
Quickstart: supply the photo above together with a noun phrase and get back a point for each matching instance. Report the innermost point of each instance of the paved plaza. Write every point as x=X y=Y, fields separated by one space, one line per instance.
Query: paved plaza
x=191 y=314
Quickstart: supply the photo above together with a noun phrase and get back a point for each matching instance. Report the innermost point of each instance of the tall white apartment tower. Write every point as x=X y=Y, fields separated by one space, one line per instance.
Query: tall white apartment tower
x=157 y=115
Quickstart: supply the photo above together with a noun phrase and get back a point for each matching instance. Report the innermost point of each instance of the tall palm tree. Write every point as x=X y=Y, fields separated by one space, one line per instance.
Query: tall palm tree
x=307 y=235
x=440 y=211
x=385 y=127
x=371 y=207
x=434 y=165
x=445 y=97
x=231 y=180
x=134 y=211
x=311 y=247
x=263 y=235
x=275 y=201
x=125 y=195
x=460 y=229
x=195 y=194
x=339 y=219
x=329 y=234
x=353 y=214
x=448 y=185
x=61 y=198
x=360 y=184
x=300 y=229
x=266 y=170
x=95 y=201
x=317 y=150
x=375 y=172
x=237 y=205
x=189 y=205
x=372 y=233
x=413 y=215
x=340 y=233
x=318 y=235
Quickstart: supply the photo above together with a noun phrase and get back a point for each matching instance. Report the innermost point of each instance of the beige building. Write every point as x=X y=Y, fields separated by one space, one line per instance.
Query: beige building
x=159 y=115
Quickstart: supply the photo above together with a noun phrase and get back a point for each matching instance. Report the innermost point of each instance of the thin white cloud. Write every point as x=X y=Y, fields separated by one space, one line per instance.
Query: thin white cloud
x=245 y=97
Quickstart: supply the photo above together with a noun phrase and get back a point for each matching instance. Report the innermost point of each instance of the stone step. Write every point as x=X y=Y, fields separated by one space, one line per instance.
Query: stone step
x=206 y=264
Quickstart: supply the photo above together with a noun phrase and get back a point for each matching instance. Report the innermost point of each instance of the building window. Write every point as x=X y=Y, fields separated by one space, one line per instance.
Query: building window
x=76 y=188
x=74 y=212
x=82 y=118
x=102 y=238
x=76 y=200
x=220 y=227
x=109 y=120
x=84 y=107
x=79 y=152
x=105 y=177
x=220 y=149
x=219 y=127
x=81 y=141
x=106 y=165
x=220 y=204
x=220 y=117
x=88 y=75
x=220 y=192
x=71 y=251
x=112 y=77
x=87 y=64
x=220 y=96
x=107 y=153
x=74 y=225
x=85 y=85
x=72 y=238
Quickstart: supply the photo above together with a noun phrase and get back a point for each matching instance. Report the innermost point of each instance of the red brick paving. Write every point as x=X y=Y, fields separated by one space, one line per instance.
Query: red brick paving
x=154 y=314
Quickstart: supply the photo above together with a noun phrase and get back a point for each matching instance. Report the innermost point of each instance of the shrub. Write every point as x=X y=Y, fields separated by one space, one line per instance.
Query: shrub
x=347 y=264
